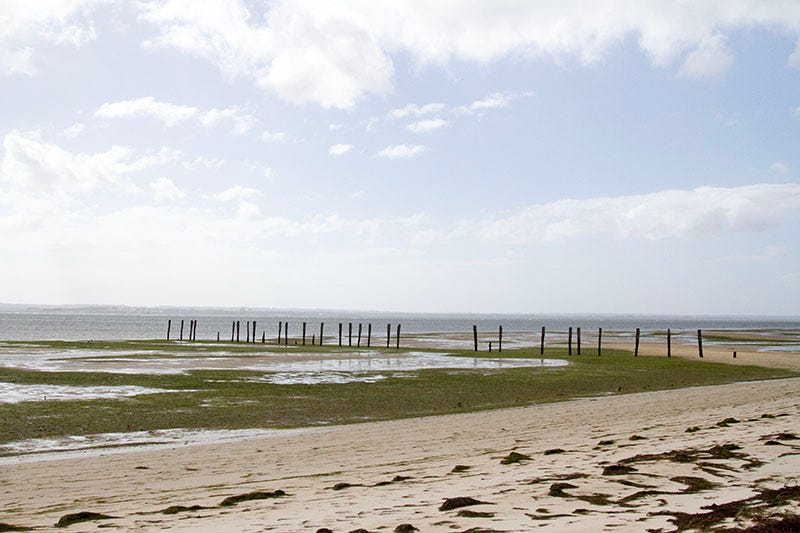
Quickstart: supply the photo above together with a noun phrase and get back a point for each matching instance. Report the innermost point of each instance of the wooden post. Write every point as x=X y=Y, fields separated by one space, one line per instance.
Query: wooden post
x=340 y=334
x=194 y=335
x=541 y=349
x=349 y=333
x=398 y=336
x=169 y=327
x=388 y=334
x=369 y=334
x=358 y=344
x=734 y=355
x=238 y=329
x=181 y=337
x=280 y=330
x=500 y=340
x=248 y=332
x=263 y=337
x=233 y=329
x=286 y=334
x=218 y=336
x=636 y=344
x=700 y=342
x=669 y=343
x=321 y=326
x=255 y=331
x=599 y=341
x=569 y=341
x=313 y=339
x=490 y=346
x=579 y=340
x=304 y=333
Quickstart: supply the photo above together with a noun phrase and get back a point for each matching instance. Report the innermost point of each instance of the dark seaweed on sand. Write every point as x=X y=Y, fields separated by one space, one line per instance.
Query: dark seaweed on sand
x=461 y=501
x=257 y=495
x=83 y=516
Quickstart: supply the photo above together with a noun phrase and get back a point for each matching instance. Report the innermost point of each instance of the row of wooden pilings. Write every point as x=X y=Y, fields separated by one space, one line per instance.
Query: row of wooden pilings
x=283 y=333
x=637 y=336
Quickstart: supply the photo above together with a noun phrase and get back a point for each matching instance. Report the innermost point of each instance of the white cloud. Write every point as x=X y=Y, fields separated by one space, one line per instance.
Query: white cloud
x=779 y=168
x=209 y=163
x=237 y=194
x=74 y=131
x=710 y=59
x=794 y=59
x=169 y=114
x=665 y=214
x=335 y=127
x=24 y=25
x=493 y=101
x=274 y=136
x=415 y=110
x=35 y=169
x=402 y=151
x=336 y=53
x=427 y=126
x=165 y=191
x=241 y=121
x=339 y=149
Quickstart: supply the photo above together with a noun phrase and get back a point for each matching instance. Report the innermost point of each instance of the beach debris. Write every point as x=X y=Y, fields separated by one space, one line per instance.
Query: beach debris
x=175 y=509
x=618 y=470
x=636 y=437
x=257 y=495
x=83 y=516
x=557 y=489
x=405 y=528
x=461 y=501
x=343 y=485
x=395 y=479
x=324 y=530
x=765 y=500
x=460 y=468
x=467 y=513
x=514 y=458
x=360 y=530
x=10 y=527
x=607 y=442
x=780 y=436
x=553 y=451
x=560 y=477
x=693 y=429
x=727 y=422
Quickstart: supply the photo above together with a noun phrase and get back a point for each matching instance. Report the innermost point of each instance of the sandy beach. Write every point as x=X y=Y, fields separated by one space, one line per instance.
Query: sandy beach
x=621 y=463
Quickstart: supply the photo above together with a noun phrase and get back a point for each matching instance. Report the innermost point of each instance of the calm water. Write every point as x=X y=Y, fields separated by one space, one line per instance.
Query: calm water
x=103 y=323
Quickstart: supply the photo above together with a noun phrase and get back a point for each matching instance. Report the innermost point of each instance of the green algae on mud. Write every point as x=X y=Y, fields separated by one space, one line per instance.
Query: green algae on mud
x=235 y=399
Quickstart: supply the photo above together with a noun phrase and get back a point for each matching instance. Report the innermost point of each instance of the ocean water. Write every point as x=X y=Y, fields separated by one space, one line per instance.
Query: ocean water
x=108 y=322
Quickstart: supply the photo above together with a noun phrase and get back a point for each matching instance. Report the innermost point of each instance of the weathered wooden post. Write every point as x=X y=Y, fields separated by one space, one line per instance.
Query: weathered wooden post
x=669 y=343
x=218 y=336
x=599 y=341
x=358 y=344
x=340 y=334
x=500 y=340
x=181 y=337
x=263 y=337
x=398 y=336
x=349 y=333
x=388 y=334
x=734 y=354
x=313 y=339
x=233 y=329
x=286 y=334
x=321 y=326
x=369 y=334
x=280 y=331
x=248 y=332
x=194 y=335
x=304 y=333
x=254 y=331
x=579 y=340
x=700 y=342
x=169 y=327
x=238 y=329
x=475 y=336
x=569 y=341
x=490 y=346
x=541 y=349
x=636 y=344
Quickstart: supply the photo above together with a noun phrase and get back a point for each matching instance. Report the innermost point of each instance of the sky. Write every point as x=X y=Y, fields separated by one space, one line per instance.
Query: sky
x=504 y=156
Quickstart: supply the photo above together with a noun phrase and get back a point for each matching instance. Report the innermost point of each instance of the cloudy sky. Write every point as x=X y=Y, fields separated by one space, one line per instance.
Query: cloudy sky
x=615 y=156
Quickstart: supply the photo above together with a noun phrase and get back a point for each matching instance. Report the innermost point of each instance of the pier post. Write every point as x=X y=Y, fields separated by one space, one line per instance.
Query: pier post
x=475 y=336
x=500 y=340
x=233 y=329
x=569 y=341
x=358 y=343
x=599 y=341
x=238 y=329
x=579 y=340
x=169 y=327
x=321 y=326
x=369 y=334
x=340 y=334
x=700 y=342
x=304 y=333
x=181 y=337
x=255 y=331
x=248 y=332
x=636 y=344
x=669 y=343
x=398 y=336
x=541 y=349
x=286 y=334
x=388 y=334
x=280 y=331
x=349 y=333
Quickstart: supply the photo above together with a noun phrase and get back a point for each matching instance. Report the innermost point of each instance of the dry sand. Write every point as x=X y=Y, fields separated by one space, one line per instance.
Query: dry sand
x=401 y=471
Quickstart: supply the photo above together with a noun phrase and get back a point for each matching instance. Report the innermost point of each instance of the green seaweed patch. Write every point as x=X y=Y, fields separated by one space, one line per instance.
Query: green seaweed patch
x=256 y=495
x=83 y=516
x=461 y=501
x=514 y=458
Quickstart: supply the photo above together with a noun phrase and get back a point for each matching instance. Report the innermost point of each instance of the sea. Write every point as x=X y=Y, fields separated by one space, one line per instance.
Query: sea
x=27 y=322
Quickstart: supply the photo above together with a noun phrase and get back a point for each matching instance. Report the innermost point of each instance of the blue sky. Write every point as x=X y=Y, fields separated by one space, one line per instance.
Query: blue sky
x=456 y=156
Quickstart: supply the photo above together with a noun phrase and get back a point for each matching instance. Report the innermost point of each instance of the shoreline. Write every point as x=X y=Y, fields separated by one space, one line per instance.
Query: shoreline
x=367 y=457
